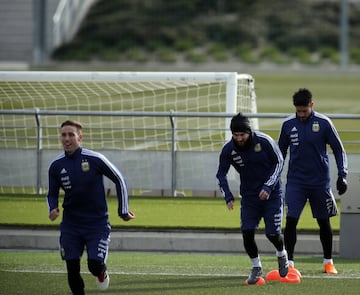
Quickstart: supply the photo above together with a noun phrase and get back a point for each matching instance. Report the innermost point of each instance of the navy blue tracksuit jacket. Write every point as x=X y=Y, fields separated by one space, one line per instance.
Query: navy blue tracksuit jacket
x=81 y=177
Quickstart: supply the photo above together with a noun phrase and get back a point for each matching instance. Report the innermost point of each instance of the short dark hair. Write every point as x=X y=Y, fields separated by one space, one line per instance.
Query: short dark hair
x=76 y=124
x=302 y=97
x=240 y=123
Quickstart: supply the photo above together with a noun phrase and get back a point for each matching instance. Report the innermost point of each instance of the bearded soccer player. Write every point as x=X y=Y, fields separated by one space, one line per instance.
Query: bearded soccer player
x=258 y=160
x=306 y=134
x=85 y=223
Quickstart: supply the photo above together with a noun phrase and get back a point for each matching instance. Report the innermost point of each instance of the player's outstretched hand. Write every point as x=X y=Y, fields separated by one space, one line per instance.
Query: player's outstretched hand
x=127 y=217
x=341 y=185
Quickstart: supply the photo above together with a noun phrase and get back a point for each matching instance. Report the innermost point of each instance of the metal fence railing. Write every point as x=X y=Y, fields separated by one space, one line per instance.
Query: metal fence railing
x=181 y=170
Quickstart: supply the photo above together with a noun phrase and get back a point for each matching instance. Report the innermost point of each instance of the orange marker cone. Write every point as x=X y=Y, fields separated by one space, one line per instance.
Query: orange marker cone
x=260 y=281
x=290 y=278
x=272 y=275
x=294 y=270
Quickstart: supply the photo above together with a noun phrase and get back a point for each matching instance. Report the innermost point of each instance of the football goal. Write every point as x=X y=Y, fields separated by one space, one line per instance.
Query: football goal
x=120 y=111
x=136 y=92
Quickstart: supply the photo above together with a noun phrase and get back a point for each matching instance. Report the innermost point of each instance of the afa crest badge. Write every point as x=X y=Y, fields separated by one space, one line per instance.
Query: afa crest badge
x=257 y=147
x=85 y=167
x=315 y=127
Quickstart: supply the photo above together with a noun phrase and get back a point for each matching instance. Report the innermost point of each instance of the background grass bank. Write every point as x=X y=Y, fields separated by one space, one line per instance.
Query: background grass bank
x=151 y=212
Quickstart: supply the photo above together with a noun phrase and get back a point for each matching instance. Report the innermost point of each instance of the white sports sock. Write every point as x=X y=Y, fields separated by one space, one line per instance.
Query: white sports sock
x=327 y=261
x=256 y=262
x=281 y=253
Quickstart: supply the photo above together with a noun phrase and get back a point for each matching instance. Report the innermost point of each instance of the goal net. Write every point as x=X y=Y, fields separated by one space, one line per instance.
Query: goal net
x=126 y=111
x=136 y=92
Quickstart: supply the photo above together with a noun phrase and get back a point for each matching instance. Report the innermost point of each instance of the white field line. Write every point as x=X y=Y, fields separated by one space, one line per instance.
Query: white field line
x=324 y=276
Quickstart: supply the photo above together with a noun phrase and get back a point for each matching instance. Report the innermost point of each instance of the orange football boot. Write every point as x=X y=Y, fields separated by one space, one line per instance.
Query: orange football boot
x=330 y=269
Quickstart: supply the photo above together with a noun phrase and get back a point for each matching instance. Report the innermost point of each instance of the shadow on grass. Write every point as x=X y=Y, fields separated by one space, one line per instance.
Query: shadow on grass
x=160 y=285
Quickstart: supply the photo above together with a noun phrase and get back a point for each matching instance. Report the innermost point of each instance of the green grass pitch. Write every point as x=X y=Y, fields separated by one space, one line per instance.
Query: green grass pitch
x=169 y=274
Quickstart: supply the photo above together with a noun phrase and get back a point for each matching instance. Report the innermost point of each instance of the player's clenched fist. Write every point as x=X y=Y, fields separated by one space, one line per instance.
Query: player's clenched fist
x=127 y=217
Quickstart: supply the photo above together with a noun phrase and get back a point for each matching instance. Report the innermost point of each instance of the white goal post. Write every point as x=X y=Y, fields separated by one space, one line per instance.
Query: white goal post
x=105 y=96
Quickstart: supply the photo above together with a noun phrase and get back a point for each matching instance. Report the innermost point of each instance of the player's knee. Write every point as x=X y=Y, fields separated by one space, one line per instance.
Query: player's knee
x=276 y=240
x=96 y=267
x=73 y=266
x=291 y=223
x=248 y=236
x=324 y=225
x=249 y=243
x=249 y=239
x=323 y=222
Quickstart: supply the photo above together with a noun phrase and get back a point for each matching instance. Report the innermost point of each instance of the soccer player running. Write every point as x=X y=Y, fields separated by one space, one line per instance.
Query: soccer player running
x=258 y=160
x=85 y=221
x=308 y=133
